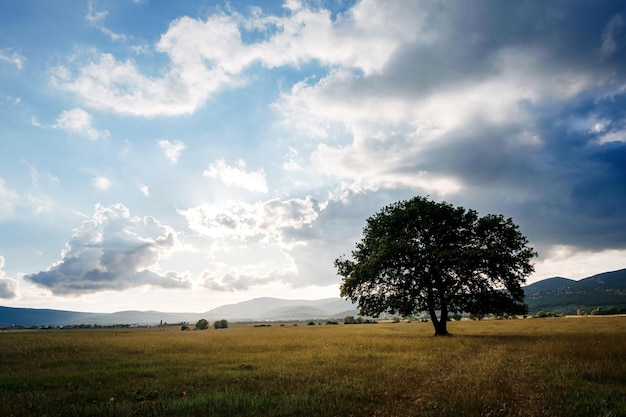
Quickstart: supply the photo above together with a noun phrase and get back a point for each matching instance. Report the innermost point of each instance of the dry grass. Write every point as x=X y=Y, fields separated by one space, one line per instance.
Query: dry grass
x=553 y=367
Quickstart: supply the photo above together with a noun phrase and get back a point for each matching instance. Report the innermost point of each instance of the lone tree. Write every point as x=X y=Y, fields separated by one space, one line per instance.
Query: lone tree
x=422 y=256
x=202 y=324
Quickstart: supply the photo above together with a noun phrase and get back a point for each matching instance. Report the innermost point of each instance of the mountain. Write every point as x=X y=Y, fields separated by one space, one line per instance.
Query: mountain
x=39 y=317
x=549 y=284
x=258 y=309
x=556 y=294
x=564 y=295
x=268 y=308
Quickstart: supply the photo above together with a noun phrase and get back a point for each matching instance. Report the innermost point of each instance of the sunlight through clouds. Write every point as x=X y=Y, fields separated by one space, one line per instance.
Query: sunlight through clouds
x=237 y=176
x=251 y=141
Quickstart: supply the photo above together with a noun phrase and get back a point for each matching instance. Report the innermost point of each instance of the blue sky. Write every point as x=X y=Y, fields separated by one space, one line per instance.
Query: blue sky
x=178 y=156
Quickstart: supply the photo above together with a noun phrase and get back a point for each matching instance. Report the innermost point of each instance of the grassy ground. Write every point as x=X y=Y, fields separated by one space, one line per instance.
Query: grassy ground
x=551 y=367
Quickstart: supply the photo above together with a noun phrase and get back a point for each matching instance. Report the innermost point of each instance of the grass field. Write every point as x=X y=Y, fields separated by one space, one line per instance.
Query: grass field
x=533 y=367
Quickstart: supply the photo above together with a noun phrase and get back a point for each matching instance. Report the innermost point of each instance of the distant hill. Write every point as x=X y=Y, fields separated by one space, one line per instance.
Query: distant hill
x=38 y=317
x=549 y=284
x=268 y=308
x=258 y=309
x=556 y=294
x=564 y=295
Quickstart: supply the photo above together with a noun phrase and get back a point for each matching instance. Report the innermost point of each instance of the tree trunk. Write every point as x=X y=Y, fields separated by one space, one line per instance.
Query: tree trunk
x=441 y=323
x=440 y=328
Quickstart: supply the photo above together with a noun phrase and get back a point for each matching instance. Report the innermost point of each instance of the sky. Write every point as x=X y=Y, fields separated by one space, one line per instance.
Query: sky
x=179 y=156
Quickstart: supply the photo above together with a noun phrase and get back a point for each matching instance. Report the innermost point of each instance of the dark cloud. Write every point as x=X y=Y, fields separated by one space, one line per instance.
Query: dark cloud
x=8 y=288
x=467 y=39
x=540 y=134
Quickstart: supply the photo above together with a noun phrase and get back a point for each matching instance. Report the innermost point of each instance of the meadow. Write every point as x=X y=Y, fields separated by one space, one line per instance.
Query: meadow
x=526 y=367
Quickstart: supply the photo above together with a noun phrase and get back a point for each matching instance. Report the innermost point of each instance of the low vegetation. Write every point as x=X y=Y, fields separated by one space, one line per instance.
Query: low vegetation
x=553 y=367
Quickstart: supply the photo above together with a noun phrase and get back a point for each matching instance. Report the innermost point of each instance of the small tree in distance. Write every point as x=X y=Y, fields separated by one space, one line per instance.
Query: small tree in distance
x=202 y=324
x=422 y=256
x=220 y=324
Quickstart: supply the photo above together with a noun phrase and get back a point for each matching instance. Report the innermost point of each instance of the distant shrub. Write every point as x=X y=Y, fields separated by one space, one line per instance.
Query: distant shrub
x=604 y=311
x=220 y=324
x=202 y=324
x=357 y=320
x=331 y=322
x=580 y=312
x=311 y=323
x=545 y=314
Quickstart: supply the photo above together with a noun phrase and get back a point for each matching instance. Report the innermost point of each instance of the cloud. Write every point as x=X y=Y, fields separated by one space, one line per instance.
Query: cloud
x=12 y=57
x=96 y=19
x=113 y=251
x=206 y=56
x=8 y=286
x=237 y=176
x=8 y=200
x=501 y=117
x=78 y=121
x=101 y=183
x=269 y=220
x=613 y=29
x=507 y=108
x=145 y=190
x=172 y=150
x=243 y=281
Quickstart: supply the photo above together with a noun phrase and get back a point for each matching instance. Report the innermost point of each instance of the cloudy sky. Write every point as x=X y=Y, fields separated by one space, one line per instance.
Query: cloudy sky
x=183 y=155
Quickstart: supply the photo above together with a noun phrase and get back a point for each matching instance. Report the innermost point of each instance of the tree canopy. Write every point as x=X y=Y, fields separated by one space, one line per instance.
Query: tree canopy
x=422 y=256
x=202 y=324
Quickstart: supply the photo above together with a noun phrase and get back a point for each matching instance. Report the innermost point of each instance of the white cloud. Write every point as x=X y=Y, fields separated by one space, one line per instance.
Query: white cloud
x=101 y=183
x=113 y=250
x=172 y=150
x=209 y=55
x=8 y=286
x=78 y=121
x=13 y=58
x=237 y=175
x=244 y=280
x=8 y=199
x=144 y=190
x=96 y=19
x=270 y=220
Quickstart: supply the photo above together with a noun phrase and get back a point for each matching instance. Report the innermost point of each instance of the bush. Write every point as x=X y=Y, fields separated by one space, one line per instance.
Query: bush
x=544 y=314
x=604 y=311
x=202 y=324
x=220 y=324
x=357 y=320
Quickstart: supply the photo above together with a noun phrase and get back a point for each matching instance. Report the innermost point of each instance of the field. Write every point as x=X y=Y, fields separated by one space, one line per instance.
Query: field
x=533 y=367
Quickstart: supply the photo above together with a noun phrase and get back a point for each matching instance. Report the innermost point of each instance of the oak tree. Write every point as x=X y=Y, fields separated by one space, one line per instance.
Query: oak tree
x=423 y=256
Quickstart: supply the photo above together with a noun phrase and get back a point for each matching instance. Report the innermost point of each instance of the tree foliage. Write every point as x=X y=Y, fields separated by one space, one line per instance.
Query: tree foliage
x=202 y=324
x=220 y=324
x=423 y=256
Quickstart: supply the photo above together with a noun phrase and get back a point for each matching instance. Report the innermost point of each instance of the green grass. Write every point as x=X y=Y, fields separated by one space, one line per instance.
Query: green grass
x=554 y=367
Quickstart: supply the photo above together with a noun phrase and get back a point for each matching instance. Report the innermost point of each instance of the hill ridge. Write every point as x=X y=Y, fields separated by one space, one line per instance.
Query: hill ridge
x=558 y=294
